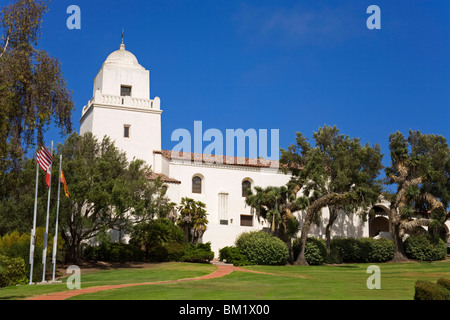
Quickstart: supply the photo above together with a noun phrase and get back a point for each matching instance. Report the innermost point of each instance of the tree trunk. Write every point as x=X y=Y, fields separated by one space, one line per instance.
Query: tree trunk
x=333 y=216
x=399 y=255
x=301 y=260
x=331 y=199
x=395 y=231
x=186 y=234
x=74 y=252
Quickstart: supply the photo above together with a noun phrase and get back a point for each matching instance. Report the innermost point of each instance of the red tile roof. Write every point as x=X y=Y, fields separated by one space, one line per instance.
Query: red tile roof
x=227 y=160
x=163 y=177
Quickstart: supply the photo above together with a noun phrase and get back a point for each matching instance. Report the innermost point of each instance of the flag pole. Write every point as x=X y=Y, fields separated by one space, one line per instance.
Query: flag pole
x=33 y=231
x=55 y=240
x=44 y=251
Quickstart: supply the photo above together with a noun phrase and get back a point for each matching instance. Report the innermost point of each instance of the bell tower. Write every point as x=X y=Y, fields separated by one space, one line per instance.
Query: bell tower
x=121 y=107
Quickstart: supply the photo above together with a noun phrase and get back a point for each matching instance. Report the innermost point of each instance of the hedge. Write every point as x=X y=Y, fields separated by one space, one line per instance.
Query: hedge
x=113 y=252
x=422 y=248
x=233 y=255
x=200 y=252
x=427 y=290
x=259 y=247
x=363 y=249
x=315 y=251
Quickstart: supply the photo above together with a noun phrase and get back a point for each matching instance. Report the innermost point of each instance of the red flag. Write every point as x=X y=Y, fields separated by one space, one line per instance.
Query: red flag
x=48 y=177
x=63 y=181
x=45 y=158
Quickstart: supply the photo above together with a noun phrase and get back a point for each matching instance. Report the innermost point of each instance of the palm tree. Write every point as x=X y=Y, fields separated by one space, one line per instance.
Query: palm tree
x=199 y=221
x=192 y=219
x=276 y=205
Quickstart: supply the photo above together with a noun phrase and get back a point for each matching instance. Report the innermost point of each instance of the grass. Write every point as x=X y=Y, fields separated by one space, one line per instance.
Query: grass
x=149 y=273
x=342 y=282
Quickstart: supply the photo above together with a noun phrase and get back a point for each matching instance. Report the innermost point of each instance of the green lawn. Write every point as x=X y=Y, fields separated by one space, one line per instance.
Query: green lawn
x=285 y=283
x=153 y=272
x=292 y=283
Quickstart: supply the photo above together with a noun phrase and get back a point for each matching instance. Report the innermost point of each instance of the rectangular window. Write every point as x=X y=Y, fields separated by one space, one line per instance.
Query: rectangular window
x=126 y=131
x=223 y=208
x=125 y=91
x=246 y=220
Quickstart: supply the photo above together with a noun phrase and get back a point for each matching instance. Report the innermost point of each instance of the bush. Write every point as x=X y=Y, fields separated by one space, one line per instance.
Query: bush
x=160 y=239
x=113 y=252
x=158 y=253
x=12 y=271
x=233 y=255
x=426 y=290
x=259 y=247
x=198 y=253
x=315 y=251
x=420 y=247
x=17 y=245
x=377 y=250
x=362 y=249
x=175 y=251
x=444 y=283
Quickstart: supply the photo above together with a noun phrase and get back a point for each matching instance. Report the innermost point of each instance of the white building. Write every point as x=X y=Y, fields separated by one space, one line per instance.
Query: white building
x=121 y=108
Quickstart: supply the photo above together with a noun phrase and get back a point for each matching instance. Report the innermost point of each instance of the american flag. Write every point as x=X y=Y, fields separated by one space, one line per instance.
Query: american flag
x=44 y=158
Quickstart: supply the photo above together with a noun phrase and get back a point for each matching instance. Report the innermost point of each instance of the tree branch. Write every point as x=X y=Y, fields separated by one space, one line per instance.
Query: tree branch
x=6 y=45
x=411 y=225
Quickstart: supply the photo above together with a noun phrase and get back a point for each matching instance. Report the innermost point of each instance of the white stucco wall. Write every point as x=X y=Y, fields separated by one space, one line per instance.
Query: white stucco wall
x=221 y=179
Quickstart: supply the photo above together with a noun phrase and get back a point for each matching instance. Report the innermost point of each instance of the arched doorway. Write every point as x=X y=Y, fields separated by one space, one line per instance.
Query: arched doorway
x=379 y=221
x=377 y=225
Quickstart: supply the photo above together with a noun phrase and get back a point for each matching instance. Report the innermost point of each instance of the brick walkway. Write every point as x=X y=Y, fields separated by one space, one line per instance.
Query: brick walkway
x=222 y=270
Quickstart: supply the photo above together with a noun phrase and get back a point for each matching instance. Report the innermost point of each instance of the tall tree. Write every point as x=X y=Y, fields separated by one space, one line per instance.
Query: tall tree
x=105 y=191
x=33 y=91
x=338 y=173
x=420 y=168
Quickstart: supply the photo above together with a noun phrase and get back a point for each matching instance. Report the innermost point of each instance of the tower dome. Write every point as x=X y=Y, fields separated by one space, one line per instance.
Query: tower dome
x=123 y=58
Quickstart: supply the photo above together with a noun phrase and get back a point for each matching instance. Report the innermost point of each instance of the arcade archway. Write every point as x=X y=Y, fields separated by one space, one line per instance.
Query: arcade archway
x=379 y=221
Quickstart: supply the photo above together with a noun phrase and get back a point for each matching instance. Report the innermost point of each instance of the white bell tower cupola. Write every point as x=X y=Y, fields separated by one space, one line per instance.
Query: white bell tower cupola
x=121 y=107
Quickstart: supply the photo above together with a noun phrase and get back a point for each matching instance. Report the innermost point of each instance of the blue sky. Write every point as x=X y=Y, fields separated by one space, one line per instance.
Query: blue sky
x=287 y=65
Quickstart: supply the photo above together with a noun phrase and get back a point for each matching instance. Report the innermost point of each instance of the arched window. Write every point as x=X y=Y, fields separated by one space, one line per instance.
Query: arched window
x=196 y=184
x=246 y=184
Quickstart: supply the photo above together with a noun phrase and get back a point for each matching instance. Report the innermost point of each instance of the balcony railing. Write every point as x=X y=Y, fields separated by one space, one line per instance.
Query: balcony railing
x=125 y=101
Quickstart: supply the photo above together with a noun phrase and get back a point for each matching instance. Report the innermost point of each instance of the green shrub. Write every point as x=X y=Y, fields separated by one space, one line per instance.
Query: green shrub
x=444 y=283
x=175 y=251
x=426 y=290
x=259 y=247
x=113 y=252
x=347 y=249
x=315 y=251
x=377 y=250
x=157 y=236
x=362 y=249
x=200 y=252
x=420 y=247
x=158 y=253
x=17 y=245
x=233 y=255
x=12 y=271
